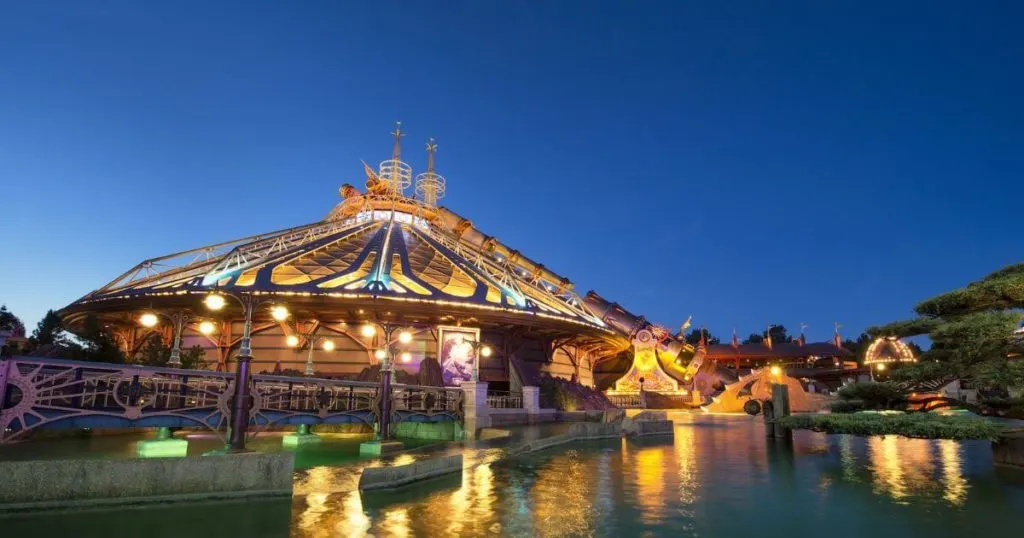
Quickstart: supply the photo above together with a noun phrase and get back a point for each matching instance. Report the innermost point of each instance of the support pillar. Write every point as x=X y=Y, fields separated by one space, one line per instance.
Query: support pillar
x=301 y=437
x=163 y=446
x=780 y=408
x=477 y=414
x=531 y=400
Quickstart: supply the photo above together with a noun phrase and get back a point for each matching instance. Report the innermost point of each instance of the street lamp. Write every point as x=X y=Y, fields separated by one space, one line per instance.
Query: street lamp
x=178 y=319
x=480 y=349
x=240 y=405
x=384 y=355
x=328 y=345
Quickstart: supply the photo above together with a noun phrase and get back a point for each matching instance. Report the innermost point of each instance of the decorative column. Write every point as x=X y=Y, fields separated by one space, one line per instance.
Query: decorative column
x=531 y=400
x=477 y=414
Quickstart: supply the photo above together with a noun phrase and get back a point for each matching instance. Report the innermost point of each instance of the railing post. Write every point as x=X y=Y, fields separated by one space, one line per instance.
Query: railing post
x=477 y=412
x=531 y=400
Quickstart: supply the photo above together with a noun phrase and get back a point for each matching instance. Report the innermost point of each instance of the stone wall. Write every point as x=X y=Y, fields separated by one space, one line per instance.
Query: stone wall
x=41 y=485
x=374 y=478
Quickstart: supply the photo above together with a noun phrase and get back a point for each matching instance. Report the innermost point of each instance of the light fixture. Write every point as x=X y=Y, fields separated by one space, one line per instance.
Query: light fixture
x=291 y=340
x=405 y=337
x=775 y=370
x=148 y=319
x=279 y=312
x=380 y=354
x=207 y=327
x=368 y=330
x=328 y=345
x=485 y=351
x=406 y=356
x=881 y=367
x=214 y=301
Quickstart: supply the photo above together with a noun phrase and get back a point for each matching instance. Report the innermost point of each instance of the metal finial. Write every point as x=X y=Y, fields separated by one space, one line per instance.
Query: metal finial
x=398 y=140
x=431 y=150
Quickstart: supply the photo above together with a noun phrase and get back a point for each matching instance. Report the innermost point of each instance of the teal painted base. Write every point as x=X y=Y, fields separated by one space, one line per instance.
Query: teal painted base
x=162 y=448
x=440 y=431
x=379 y=448
x=293 y=440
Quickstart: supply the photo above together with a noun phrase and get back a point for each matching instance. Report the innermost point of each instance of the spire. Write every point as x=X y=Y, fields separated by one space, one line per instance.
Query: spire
x=803 y=340
x=836 y=339
x=397 y=153
x=768 y=337
x=430 y=185
x=735 y=339
x=703 y=339
x=431 y=150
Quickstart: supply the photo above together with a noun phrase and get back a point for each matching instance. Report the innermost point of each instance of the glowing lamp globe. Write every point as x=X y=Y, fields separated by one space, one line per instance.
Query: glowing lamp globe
x=207 y=327
x=881 y=367
x=406 y=356
x=380 y=354
x=148 y=319
x=405 y=337
x=328 y=345
x=485 y=351
x=279 y=312
x=291 y=340
x=368 y=330
x=214 y=301
x=775 y=370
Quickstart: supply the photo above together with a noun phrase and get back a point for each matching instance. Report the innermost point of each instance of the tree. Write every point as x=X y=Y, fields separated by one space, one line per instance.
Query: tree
x=778 y=332
x=693 y=337
x=859 y=347
x=754 y=338
x=98 y=343
x=155 y=353
x=971 y=330
x=50 y=331
x=10 y=322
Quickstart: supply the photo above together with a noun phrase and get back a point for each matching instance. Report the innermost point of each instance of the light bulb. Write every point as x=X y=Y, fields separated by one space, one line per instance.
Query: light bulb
x=279 y=312
x=405 y=337
x=380 y=354
x=291 y=340
x=214 y=301
x=406 y=356
x=485 y=351
x=207 y=327
x=328 y=345
x=148 y=319
x=881 y=367
x=776 y=370
x=368 y=330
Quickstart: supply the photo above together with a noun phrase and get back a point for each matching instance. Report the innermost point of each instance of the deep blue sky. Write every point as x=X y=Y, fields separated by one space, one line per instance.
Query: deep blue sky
x=744 y=162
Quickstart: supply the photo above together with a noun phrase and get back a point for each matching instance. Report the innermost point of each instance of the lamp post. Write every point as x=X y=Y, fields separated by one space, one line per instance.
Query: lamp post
x=313 y=338
x=480 y=349
x=240 y=404
x=384 y=355
x=179 y=319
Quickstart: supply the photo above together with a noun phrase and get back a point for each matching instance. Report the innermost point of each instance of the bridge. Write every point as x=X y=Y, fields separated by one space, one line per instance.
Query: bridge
x=42 y=393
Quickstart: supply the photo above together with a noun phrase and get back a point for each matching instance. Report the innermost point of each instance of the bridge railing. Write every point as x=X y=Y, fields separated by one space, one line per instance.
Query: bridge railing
x=503 y=399
x=40 y=392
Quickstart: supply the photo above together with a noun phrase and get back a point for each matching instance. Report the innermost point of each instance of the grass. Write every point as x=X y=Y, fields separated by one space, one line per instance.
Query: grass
x=916 y=425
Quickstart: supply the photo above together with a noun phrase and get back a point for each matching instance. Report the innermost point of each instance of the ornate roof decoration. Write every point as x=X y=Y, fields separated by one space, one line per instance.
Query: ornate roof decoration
x=888 y=349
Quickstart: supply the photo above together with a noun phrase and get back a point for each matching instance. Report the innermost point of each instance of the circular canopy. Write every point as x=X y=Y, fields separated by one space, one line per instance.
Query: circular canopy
x=888 y=349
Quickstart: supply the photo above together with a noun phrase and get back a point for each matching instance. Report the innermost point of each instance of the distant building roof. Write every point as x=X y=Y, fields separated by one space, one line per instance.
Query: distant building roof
x=777 y=351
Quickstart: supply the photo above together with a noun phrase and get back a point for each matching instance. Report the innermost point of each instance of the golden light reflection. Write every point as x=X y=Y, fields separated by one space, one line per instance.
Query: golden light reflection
x=562 y=498
x=901 y=466
x=355 y=522
x=650 y=481
x=396 y=522
x=952 y=472
x=686 y=446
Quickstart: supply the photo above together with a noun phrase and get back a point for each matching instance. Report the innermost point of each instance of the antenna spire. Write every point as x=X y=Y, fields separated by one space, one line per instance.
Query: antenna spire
x=431 y=150
x=397 y=153
x=430 y=185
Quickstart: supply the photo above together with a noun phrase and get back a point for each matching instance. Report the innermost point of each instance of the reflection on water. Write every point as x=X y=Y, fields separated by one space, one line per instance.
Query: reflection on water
x=719 y=476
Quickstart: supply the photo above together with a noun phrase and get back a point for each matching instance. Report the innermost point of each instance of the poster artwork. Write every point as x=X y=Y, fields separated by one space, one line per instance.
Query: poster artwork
x=457 y=354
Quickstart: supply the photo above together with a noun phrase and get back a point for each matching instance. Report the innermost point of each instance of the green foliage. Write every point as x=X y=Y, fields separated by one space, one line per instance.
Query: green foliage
x=846 y=406
x=1004 y=407
x=778 y=332
x=155 y=353
x=874 y=395
x=918 y=425
x=10 y=322
x=858 y=347
x=98 y=343
x=50 y=332
x=971 y=332
x=693 y=337
x=754 y=338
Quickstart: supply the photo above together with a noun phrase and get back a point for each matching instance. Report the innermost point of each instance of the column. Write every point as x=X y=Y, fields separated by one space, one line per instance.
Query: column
x=531 y=400
x=477 y=414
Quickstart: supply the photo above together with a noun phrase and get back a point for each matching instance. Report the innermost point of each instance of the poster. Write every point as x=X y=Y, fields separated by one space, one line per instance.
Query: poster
x=456 y=353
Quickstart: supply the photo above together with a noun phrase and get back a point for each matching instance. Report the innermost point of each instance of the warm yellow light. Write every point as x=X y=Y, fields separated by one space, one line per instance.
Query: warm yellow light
x=214 y=301
x=881 y=367
x=405 y=337
x=291 y=340
x=207 y=327
x=328 y=345
x=485 y=351
x=406 y=356
x=776 y=370
x=368 y=330
x=279 y=312
x=148 y=319
x=380 y=354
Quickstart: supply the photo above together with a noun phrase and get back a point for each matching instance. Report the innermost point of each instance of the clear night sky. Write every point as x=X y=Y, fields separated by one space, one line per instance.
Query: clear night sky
x=745 y=162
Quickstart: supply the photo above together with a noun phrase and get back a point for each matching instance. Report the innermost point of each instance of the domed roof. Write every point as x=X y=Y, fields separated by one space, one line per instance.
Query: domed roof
x=887 y=349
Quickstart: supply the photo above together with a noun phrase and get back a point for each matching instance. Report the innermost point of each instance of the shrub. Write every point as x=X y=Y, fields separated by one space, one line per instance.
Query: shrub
x=874 y=395
x=846 y=406
x=917 y=425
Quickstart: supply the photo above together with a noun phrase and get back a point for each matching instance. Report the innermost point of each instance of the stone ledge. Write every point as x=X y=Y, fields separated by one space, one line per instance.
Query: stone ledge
x=373 y=478
x=70 y=483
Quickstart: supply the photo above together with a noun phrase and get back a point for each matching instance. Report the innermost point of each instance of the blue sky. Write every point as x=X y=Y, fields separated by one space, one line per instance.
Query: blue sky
x=744 y=162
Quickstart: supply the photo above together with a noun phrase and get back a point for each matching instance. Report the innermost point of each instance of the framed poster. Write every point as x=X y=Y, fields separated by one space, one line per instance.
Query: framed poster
x=456 y=353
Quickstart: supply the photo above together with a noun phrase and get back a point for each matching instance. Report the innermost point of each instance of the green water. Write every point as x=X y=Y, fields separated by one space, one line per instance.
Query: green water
x=717 y=477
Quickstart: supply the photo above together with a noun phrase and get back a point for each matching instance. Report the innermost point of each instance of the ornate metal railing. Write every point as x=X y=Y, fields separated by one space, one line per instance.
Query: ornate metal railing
x=625 y=401
x=38 y=393
x=504 y=400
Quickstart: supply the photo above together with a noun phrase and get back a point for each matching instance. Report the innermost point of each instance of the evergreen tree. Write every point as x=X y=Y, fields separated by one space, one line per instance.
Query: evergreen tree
x=50 y=331
x=10 y=322
x=98 y=343
x=971 y=330
x=155 y=353
x=693 y=337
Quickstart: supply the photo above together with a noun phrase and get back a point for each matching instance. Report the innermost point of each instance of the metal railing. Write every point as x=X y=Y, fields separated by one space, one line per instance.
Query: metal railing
x=36 y=392
x=625 y=401
x=504 y=400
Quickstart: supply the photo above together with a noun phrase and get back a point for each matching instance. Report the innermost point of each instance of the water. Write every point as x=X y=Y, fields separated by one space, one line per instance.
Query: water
x=719 y=476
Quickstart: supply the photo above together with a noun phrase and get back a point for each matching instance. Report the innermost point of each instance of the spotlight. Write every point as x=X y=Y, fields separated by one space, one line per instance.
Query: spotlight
x=148 y=319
